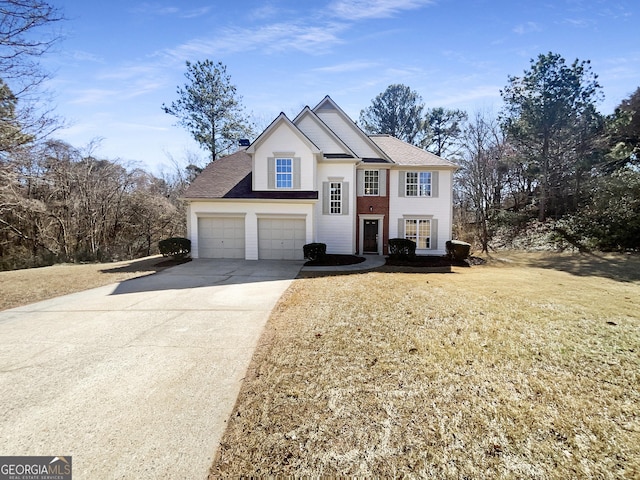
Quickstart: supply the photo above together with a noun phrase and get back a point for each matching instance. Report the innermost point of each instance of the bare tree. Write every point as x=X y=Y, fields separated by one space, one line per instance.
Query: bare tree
x=26 y=34
x=481 y=177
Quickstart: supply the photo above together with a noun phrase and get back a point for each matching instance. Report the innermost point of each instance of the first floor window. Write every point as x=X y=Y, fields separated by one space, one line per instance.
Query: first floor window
x=335 y=197
x=419 y=231
x=418 y=184
x=284 y=173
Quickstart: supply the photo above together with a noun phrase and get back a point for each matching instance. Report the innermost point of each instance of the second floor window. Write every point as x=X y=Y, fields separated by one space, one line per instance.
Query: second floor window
x=284 y=173
x=335 y=197
x=371 y=182
x=418 y=184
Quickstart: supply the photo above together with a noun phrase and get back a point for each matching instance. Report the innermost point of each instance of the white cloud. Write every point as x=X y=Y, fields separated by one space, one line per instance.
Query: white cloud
x=128 y=126
x=160 y=10
x=140 y=88
x=126 y=72
x=619 y=68
x=579 y=22
x=354 y=66
x=83 y=56
x=271 y=38
x=93 y=95
x=262 y=13
x=528 y=27
x=465 y=96
x=122 y=91
x=364 y=9
x=195 y=12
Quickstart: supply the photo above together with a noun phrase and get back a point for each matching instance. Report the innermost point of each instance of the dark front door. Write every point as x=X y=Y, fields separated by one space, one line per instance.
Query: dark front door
x=370 y=239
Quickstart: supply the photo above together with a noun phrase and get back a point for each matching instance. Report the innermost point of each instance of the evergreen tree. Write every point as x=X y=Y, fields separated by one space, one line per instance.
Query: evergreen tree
x=397 y=112
x=551 y=118
x=209 y=107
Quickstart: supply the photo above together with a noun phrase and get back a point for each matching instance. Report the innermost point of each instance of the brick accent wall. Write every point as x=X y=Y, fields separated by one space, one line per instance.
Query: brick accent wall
x=374 y=205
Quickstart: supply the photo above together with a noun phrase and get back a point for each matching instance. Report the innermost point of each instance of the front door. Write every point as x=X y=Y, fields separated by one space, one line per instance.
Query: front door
x=370 y=239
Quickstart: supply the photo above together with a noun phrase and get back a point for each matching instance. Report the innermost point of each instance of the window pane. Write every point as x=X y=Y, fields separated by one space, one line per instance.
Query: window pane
x=411 y=184
x=419 y=231
x=425 y=184
x=371 y=179
x=410 y=227
x=425 y=227
x=335 y=197
x=284 y=173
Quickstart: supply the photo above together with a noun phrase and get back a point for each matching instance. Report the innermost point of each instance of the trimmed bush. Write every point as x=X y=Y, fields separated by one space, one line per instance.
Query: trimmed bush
x=176 y=247
x=402 y=248
x=314 y=251
x=458 y=250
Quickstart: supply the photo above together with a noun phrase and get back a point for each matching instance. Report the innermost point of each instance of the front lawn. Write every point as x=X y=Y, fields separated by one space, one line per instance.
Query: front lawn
x=22 y=287
x=526 y=367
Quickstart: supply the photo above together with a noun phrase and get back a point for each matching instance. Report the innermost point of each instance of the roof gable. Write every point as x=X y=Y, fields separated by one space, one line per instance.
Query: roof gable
x=282 y=121
x=318 y=131
x=346 y=129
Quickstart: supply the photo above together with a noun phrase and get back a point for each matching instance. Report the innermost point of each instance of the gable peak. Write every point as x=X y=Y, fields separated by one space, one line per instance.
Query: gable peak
x=326 y=103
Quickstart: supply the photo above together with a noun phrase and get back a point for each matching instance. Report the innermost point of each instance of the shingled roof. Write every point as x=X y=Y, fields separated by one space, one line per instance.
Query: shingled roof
x=403 y=153
x=227 y=177
x=230 y=177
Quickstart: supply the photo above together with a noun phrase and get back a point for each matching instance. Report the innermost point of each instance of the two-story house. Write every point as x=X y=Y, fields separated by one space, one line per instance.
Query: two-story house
x=319 y=178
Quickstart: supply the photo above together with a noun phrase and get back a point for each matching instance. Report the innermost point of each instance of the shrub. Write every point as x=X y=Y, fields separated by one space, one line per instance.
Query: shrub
x=458 y=250
x=402 y=248
x=176 y=247
x=314 y=251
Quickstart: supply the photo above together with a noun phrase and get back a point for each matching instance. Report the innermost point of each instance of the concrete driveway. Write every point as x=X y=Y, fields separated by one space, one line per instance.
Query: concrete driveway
x=135 y=380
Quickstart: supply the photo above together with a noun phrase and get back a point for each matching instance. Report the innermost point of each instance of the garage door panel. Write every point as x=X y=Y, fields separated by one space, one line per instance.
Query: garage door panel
x=281 y=238
x=221 y=237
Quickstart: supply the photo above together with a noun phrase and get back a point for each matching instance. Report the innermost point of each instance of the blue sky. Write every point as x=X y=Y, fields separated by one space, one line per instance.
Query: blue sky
x=121 y=60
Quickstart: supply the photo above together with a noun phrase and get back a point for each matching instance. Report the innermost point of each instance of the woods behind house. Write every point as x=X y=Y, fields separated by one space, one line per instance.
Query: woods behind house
x=548 y=159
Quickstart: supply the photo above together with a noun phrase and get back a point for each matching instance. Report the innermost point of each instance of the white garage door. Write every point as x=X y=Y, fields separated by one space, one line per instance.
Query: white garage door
x=221 y=237
x=281 y=238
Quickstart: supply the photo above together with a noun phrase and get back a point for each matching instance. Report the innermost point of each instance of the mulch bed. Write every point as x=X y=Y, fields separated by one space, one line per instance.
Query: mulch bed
x=333 y=260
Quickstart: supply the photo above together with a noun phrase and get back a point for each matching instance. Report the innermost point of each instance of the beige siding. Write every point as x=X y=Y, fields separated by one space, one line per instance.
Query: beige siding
x=319 y=136
x=283 y=141
x=438 y=208
x=337 y=231
x=349 y=134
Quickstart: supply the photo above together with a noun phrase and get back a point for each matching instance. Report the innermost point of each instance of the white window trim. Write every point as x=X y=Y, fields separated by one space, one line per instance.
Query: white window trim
x=418 y=237
x=289 y=173
x=418 y=184
x=377 y=185
x=335 y=204
x=272 y=171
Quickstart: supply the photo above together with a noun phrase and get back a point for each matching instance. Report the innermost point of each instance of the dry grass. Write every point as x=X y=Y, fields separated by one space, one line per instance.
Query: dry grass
x=21 y=287
x=526 y=368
